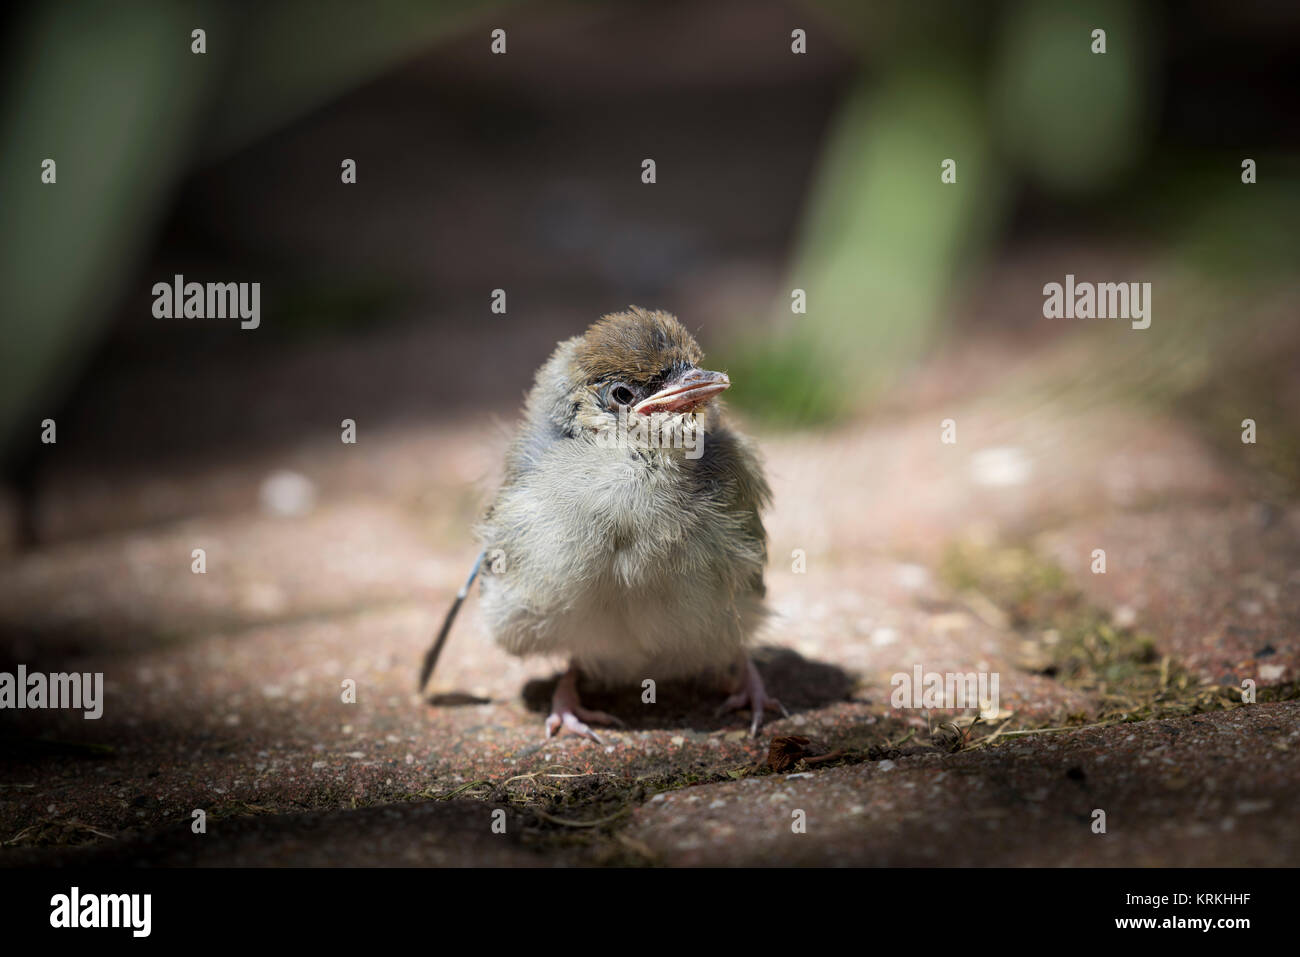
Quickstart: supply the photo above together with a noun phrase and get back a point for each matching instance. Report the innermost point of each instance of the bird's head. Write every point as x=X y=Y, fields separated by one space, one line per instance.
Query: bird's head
x=640 y=362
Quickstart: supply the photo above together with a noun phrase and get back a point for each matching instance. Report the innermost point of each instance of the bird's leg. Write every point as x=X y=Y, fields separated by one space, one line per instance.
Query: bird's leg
x=567 y=710
x=751 y=693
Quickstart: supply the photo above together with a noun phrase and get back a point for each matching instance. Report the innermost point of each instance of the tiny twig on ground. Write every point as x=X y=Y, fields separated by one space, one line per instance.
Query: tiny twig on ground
x=568 y=823
x=905 y=738
x=832 y=756
x=464 y=787
x=999 y=733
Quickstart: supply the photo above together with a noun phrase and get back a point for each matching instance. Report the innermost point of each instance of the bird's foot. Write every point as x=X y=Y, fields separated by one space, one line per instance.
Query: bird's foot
x=567 y=711
x=753 y=695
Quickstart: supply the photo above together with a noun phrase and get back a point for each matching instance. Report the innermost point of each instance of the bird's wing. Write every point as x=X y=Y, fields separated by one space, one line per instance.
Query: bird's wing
x=731 y=466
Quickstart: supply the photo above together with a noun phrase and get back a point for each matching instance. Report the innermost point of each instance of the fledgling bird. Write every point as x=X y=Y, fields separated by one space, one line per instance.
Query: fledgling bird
x=634 y=560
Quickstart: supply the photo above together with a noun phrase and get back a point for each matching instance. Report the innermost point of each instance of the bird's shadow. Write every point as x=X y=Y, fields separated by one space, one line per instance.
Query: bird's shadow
x=797 y=682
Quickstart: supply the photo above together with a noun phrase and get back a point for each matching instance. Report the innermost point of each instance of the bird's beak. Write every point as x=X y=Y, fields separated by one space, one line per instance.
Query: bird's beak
x=686 y=393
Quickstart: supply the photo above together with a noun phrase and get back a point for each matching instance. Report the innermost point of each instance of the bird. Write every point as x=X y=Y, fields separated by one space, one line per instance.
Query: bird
x=626 y=535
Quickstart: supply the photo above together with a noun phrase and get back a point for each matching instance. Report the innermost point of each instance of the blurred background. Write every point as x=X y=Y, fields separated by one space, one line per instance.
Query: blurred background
x=776 y=171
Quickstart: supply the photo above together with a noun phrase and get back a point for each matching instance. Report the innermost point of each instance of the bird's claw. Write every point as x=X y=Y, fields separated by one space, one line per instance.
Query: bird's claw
x=574 y=721
x=567 y=712
x=753 y=695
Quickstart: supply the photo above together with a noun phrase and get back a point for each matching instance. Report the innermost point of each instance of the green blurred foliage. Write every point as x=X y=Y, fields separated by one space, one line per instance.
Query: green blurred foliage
x=108 y=93
x=884 y=242
x=881 y=243
x=113 y=93
x=1071 y=119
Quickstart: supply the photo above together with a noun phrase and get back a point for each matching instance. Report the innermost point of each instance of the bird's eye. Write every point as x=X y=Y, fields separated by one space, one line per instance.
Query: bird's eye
x=619 y=394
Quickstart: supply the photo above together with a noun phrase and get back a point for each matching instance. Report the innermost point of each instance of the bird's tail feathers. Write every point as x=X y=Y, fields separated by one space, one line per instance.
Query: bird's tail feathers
x=431 y=657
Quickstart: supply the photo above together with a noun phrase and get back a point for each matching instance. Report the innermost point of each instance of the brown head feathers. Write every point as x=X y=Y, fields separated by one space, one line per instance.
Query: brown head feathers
x=638 y=344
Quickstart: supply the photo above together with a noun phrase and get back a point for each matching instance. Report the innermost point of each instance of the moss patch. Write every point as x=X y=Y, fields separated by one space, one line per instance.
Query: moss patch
x=1077 y=643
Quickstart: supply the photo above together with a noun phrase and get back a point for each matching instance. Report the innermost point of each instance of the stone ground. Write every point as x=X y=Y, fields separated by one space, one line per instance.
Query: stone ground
x=224 y=690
